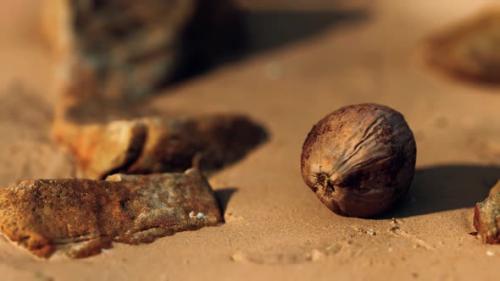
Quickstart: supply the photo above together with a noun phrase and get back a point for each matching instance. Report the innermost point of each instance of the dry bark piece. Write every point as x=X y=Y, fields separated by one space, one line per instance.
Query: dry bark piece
x=469 y=50
x=359 y=159
x=81 y=217
x=487 y=217
x=102 y=150
x=117 y=49
x=153 y=145
x=127 y=49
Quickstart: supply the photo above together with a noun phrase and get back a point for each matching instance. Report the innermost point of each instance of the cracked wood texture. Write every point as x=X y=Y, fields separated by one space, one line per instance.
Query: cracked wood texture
x=107 y=55
x=81 y=217
x=126 y=49
x=487 y=217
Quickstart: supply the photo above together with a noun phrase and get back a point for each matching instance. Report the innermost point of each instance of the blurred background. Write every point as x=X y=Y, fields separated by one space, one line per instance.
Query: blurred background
x=100 y=60
x=213 y=32
x=268 y=59
x=285 y=64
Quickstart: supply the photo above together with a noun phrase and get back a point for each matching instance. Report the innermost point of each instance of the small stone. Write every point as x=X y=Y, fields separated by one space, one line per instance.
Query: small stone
x=317 y=255
x=238 y=257
x=192 y=214
x=490 y=253
x=82 y=217
x=333 y=249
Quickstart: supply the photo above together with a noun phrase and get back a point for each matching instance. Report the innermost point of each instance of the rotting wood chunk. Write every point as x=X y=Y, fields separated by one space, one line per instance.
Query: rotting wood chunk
x=103 y=150
x=81 y=217
x=127 y=49
x=115 y=49
x=487 y=217
x=153 y=145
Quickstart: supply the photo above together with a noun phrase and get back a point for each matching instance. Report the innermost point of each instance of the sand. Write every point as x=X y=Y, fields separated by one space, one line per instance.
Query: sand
x=276 y=228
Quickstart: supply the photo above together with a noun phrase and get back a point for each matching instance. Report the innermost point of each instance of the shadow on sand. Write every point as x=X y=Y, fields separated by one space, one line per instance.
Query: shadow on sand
x=445 y=188
x=223 y=196
x=256 y=32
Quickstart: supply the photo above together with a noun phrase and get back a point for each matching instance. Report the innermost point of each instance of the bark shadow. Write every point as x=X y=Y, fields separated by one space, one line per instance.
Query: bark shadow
x=254 y=32
x=235 y=140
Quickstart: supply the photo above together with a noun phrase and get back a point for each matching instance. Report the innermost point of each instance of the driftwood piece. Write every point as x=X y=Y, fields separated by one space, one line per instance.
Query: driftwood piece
x=487 y=217
x=154 y=145
x=117 y=49
x=126 y=49
x=109 y=53
x=468 y=50
x=104 y=150
x=81 y=217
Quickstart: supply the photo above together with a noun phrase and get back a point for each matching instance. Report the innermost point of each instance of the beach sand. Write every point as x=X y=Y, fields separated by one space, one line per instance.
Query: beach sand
x=307 y=60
